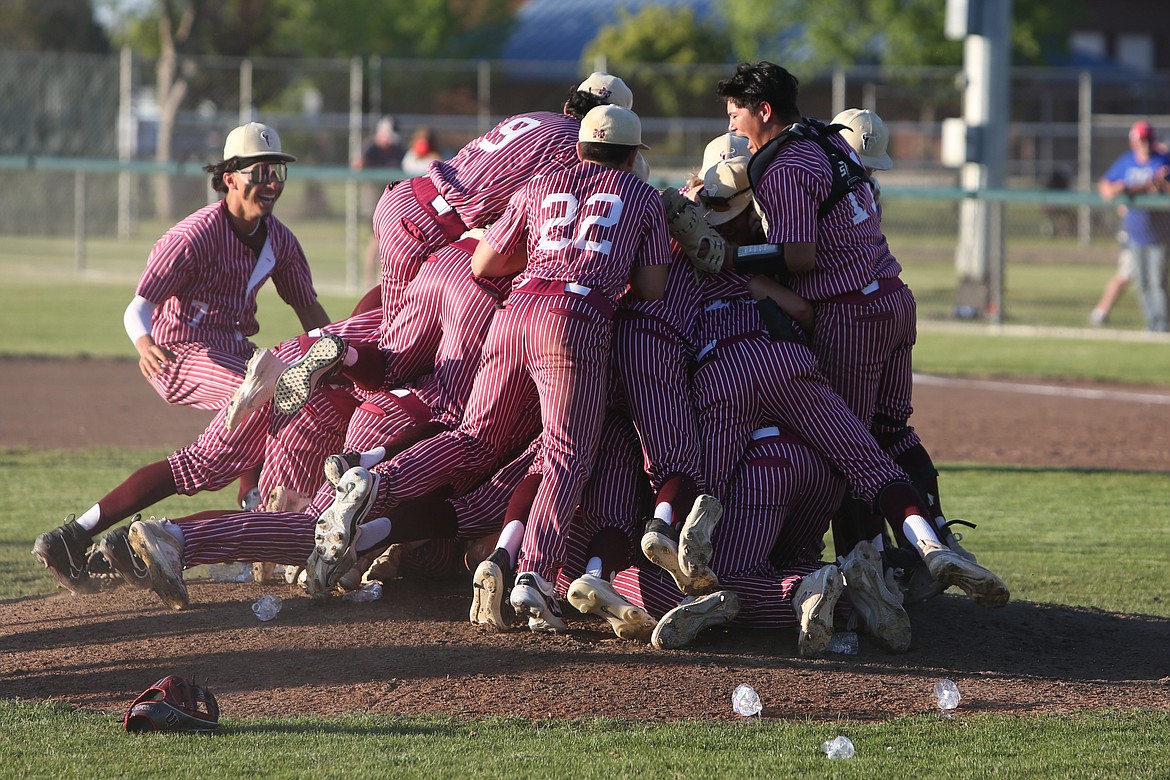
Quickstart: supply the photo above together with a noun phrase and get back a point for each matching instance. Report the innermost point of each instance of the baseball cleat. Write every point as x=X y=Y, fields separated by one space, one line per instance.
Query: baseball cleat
x=63 y=552
x=163 y=555
x=337 y=465
x=487 y=596
x=260 y=376
x=814 y=602
x=594 y=596
x=660 y=547
x=533 y=597
x=296 y=384
x=878 y=610
x=115 y=548
x=694 y=541
x=354 y=496
x=951 y=568
x=679 y=627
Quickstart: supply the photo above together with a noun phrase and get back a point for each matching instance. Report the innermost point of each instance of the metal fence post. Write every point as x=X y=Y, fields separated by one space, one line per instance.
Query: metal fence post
x=79 y=218
x=1085 y=154
x=484 y=87
x=352 y=267
x=245 y=91
x=125 y=137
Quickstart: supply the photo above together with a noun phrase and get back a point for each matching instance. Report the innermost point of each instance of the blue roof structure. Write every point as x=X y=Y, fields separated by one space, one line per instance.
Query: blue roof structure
x=552 y=30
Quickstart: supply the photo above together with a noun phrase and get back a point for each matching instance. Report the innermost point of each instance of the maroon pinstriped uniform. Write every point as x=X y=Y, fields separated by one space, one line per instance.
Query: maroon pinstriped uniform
x=291 y=457
x=865 y=314
x=287 y=537
x=585 y=229
x=782 y=495
x=746 y=379
x=653 y=345
x=616 y=495
x=203 y=280
x=417 y=216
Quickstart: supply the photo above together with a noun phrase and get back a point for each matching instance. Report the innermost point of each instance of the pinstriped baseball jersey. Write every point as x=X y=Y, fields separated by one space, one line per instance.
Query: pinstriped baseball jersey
x=755 y=381
x=653 y=344
x=478 y=181
x=201 y=377
x=851 y=249
x=204 y=280
x=589 y=225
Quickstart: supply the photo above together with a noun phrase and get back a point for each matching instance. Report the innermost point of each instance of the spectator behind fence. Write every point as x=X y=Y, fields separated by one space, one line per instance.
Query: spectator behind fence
x=383 y=150
x=424 y=150
x=1144 y=170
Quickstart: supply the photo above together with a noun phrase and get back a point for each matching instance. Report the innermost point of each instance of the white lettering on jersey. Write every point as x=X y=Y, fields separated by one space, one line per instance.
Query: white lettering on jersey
x=508 y=132
x=613 y=213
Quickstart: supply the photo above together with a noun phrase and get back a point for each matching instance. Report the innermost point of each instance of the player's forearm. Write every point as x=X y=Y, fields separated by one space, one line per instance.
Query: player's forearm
x=313 y=316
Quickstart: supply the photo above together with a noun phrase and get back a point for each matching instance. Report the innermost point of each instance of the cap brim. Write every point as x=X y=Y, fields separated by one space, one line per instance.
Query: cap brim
x=268 y=156
x=738 y=206
x=883 y=163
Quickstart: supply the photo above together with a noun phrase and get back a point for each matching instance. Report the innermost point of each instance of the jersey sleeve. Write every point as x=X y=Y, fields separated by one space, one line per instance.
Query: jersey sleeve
x=655 y=249
x=509 y=233
x=291 y=276
x=167 y=269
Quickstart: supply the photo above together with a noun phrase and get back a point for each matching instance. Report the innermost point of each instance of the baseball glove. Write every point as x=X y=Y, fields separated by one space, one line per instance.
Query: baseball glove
x=173 y=704
x=703 y=245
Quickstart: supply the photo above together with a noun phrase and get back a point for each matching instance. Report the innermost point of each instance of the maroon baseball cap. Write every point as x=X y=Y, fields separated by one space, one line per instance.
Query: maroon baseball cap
x=1141 y=131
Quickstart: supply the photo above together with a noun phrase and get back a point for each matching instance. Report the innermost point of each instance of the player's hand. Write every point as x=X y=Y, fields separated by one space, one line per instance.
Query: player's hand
x=151 y=357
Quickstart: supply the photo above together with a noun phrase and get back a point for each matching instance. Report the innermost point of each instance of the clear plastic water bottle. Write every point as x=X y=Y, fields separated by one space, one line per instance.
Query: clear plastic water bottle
x=266 y=607
x=946 y=693
x=840 y=747
x=370 y=591
x=843 y=643
x=745 y=701
x=230 y=572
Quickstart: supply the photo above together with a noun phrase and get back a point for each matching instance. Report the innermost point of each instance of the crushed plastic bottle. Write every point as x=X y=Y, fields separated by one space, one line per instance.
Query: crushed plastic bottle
x=230 y=572
x=946 y=693
x=745 y=701
x=840 y=747
x=267 y=607
x=370 y=591
x=843 y=643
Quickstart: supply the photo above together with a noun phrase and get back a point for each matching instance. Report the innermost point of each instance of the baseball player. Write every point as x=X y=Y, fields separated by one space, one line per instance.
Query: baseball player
x=164 y=548
x=416 y=216
x=827 y=228
x=195 y=306
x=580 y=236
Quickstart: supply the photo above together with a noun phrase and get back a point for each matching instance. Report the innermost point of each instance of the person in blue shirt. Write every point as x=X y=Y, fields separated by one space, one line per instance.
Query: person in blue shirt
x=1144 y=170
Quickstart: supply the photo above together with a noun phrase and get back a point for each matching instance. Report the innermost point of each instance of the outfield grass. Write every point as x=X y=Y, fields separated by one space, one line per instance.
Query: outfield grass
x=50 y=741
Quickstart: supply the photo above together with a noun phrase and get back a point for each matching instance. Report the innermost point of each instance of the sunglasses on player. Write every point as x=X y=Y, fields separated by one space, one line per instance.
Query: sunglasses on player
x=720 y=204
x=263 y=173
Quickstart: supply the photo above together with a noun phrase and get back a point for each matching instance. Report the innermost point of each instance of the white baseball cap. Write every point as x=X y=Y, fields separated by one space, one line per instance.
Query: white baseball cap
x=867 y=135
x=726 y=190
x=609 y=88
x=254 y=141
x=641 y=167
x=724 y=147
x=611 y=124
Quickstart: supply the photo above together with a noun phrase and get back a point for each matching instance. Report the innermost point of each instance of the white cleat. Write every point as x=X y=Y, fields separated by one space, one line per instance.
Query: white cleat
x=487 y=596
x=951 y=568
x=594 y=596
x=296 y=384
x=813 y=603
x=679 y=627
x=534 y=598
x=257 y=389
x=354 y=496
x=163 y=555
x=879 y=611
x=694 y=540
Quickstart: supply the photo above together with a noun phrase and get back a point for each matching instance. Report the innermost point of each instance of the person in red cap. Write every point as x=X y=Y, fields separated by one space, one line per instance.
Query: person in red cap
x=1143 y=170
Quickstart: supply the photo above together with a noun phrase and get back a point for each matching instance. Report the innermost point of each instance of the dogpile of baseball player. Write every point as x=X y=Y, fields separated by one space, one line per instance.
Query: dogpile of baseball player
x=571 y=388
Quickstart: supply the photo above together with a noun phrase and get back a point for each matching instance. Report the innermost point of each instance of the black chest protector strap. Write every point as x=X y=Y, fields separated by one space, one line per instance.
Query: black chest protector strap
x=848 y=173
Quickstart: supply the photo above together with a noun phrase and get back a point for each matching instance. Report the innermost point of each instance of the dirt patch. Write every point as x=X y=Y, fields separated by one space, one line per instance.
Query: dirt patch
x=413 y=652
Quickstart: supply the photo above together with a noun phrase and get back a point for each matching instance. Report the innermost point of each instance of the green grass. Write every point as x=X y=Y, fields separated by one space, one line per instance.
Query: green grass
x=45 y=740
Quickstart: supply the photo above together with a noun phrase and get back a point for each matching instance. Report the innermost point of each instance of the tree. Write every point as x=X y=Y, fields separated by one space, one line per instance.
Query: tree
x=662 y=35
x=51 y=25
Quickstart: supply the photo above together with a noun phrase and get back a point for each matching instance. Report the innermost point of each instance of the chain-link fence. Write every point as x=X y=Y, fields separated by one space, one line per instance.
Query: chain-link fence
x=80 y=147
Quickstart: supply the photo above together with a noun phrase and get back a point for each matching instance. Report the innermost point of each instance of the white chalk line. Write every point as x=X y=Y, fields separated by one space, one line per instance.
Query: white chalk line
x=1049 y=390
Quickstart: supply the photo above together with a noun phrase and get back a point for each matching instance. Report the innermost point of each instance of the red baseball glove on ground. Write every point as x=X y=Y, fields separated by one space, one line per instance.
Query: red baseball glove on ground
x=174 y=704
